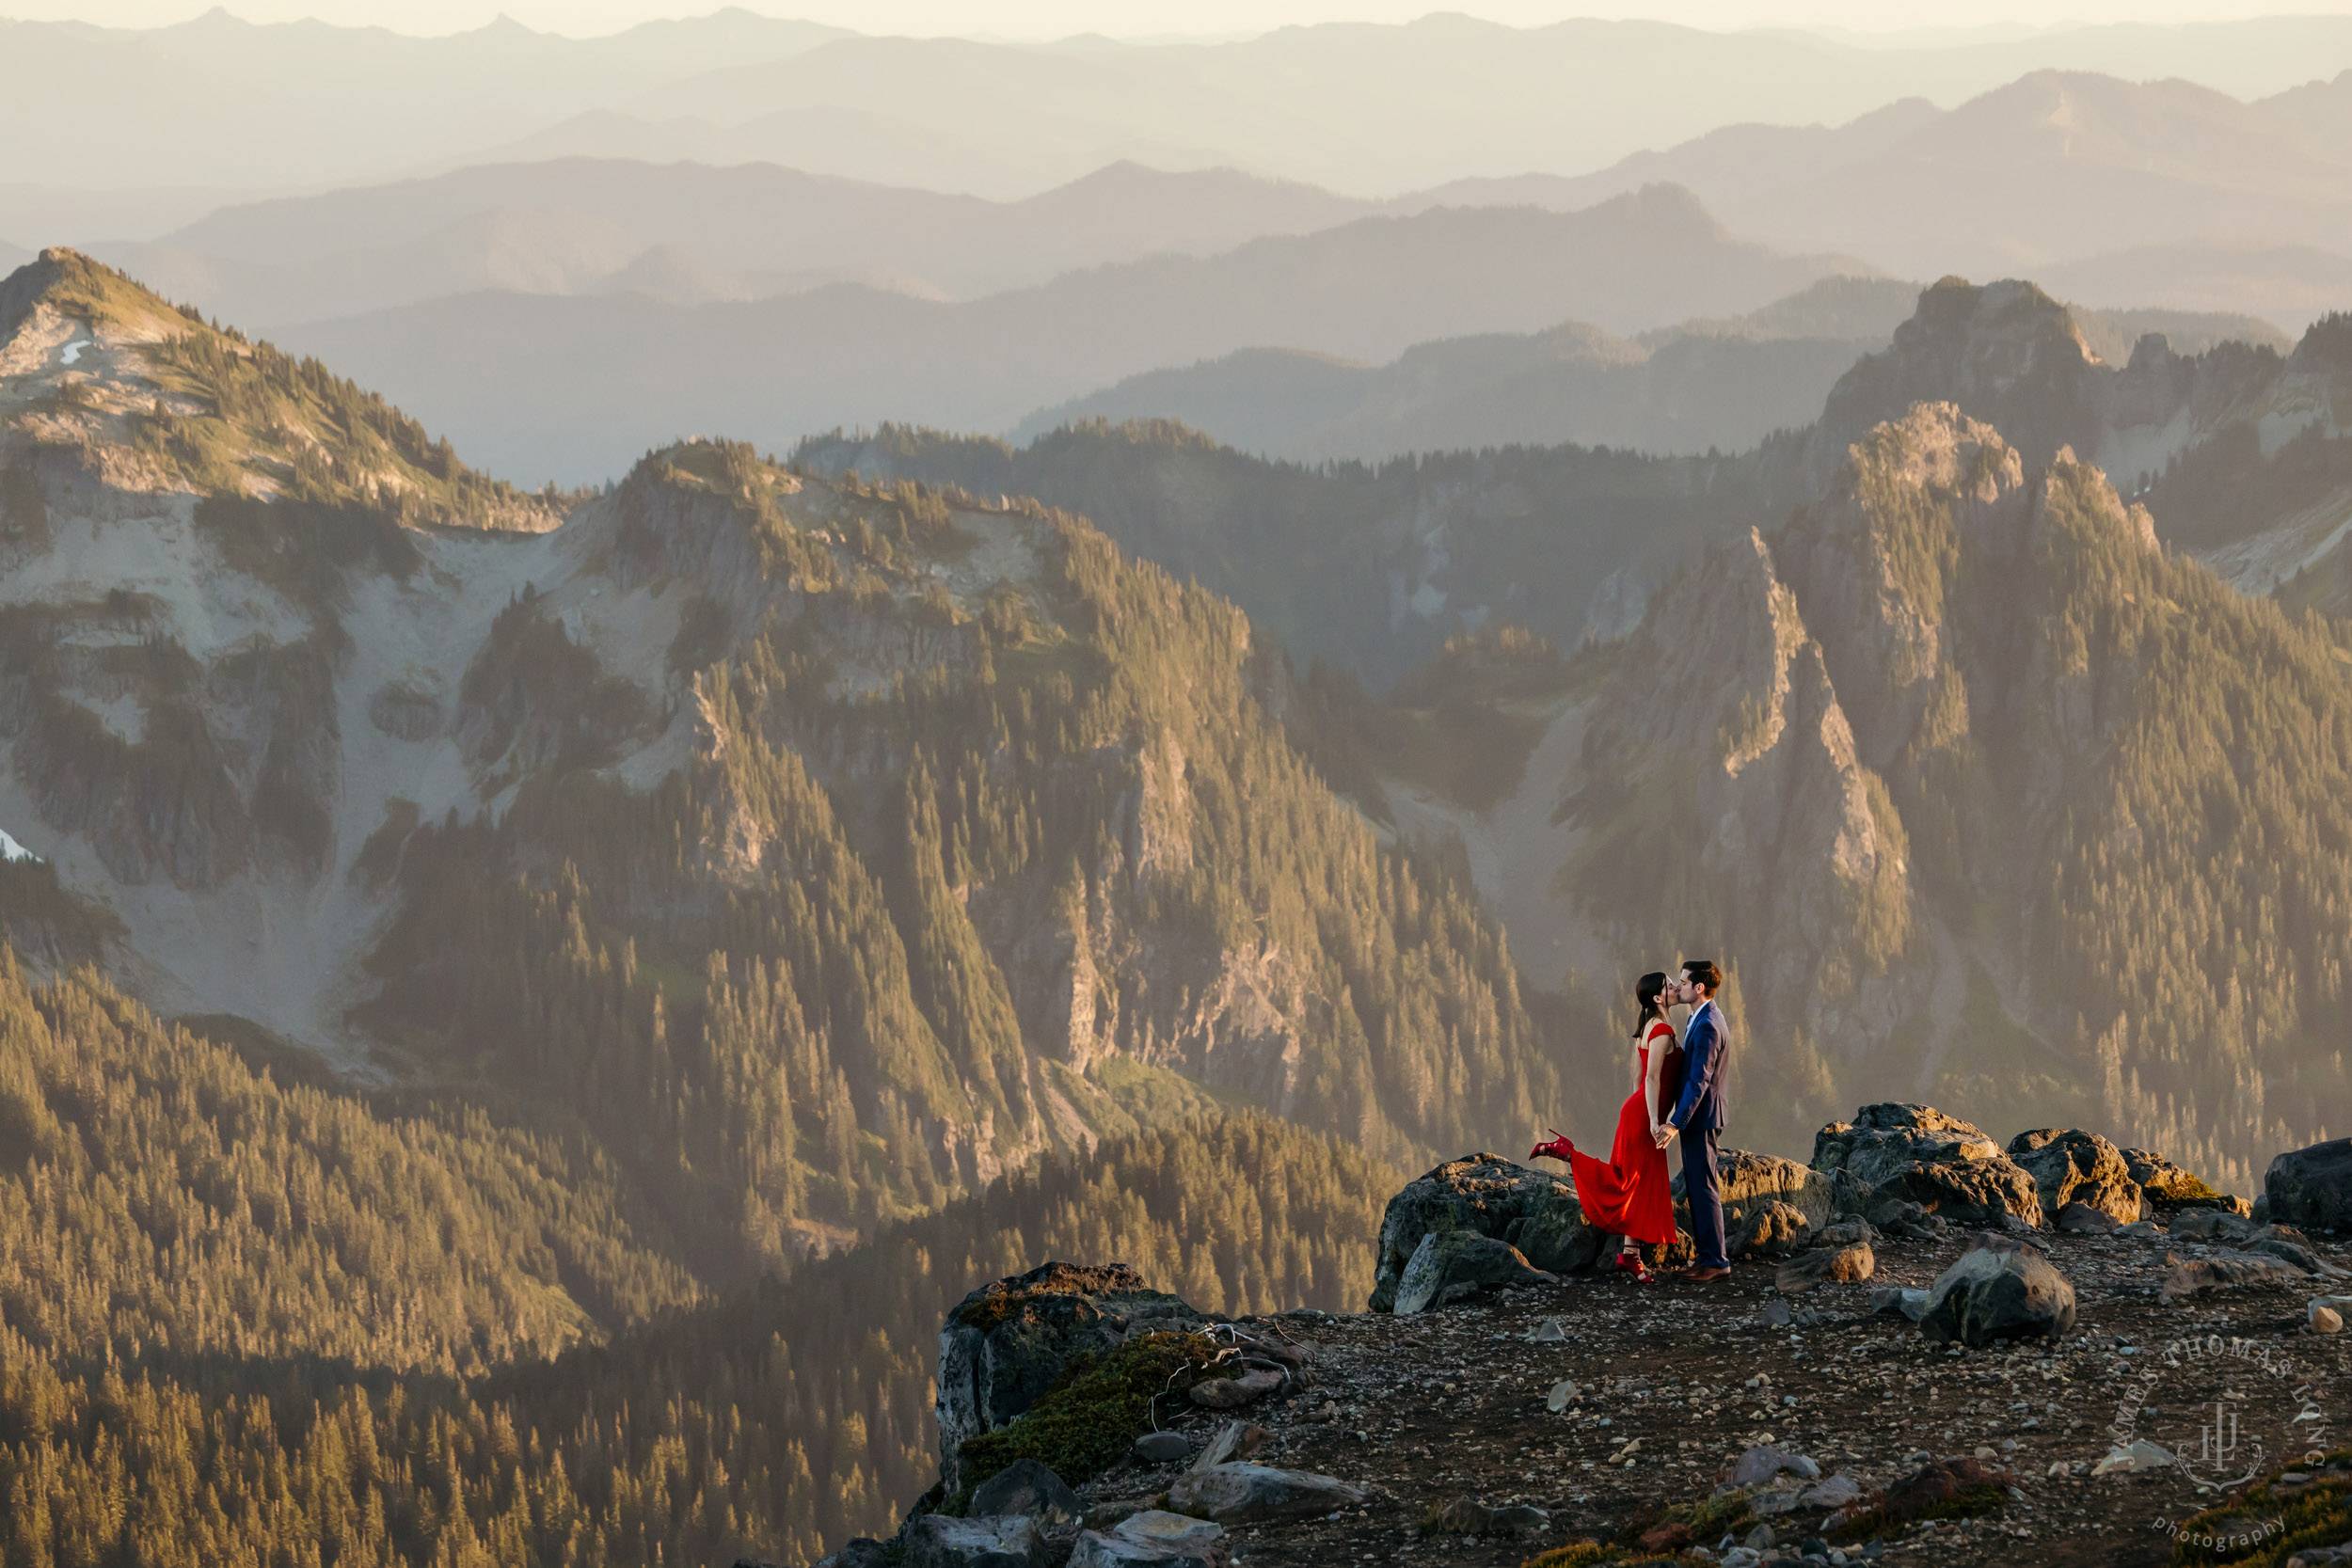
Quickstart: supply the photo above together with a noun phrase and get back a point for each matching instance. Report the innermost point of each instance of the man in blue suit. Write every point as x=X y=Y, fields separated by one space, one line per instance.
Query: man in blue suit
x=1699 y=1116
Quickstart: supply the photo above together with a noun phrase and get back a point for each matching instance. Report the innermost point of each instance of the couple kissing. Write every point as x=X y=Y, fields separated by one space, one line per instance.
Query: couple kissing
x=1678 y=1093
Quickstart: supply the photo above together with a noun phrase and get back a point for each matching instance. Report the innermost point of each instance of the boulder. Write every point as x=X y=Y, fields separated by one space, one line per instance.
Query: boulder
x=1749 y=1181
x=1232 y=1393
x=1836 y=1492
x=1483 y=1194
x=2311 y=1186
x=2226 y=1269
x=2212 y=1225
x=1028 y=1489
x=1453 y=1266
x=1161 y=1448
x=2167 y=1186
x=2083 y=1219
x=1918 y=1154
x=1896 y=1298
x=1152 y=1539
x=1844 y=1265
x=1006 y=1343
x=1773 y=1229
x=1899 y=1216
x=1756 y=1466
x=936 y=1540
x=1156 y=1527
x=1998 y=1290
x=2141 y=1456
x=1251 y=1494
x=2075 y=1167
x=1238 y=1440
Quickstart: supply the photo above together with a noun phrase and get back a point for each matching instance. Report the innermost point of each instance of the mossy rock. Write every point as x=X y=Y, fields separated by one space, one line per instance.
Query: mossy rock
x=1088 y=1419
x=2275 y=1518
x=1964 y=1504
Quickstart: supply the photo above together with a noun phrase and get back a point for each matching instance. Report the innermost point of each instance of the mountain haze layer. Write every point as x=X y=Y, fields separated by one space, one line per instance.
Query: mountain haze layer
x=584 y=226
x=2163 y=193
x=1707 y=384
x=550 y=386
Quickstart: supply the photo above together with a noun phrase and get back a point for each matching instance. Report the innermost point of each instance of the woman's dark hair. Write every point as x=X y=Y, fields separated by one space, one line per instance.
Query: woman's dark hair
x=1645 y=991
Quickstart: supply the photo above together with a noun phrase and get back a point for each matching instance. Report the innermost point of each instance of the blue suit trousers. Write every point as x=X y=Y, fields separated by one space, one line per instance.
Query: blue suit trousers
x=1700 y=1186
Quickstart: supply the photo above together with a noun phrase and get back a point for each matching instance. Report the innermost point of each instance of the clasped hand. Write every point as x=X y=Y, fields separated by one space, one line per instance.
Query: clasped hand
x=1663 y=1133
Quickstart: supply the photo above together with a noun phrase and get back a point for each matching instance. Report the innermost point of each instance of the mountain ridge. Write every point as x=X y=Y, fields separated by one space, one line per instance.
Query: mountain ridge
x=843 y=355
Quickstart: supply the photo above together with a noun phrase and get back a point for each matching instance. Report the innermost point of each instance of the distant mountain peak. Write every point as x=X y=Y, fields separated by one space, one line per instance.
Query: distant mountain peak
x=102 y=364
x=2005 y=351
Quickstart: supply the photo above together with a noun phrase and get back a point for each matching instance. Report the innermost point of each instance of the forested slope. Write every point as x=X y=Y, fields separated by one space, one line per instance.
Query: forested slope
x=243 y=1322
x=636 y=974
x=950 y=879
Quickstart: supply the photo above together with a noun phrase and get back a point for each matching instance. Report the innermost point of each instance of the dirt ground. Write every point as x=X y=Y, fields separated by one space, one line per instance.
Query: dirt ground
x=1424 y=1410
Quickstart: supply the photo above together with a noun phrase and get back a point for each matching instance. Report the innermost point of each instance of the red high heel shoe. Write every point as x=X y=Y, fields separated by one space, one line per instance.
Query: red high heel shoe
x=1631 y=1262
x=1559 y=1148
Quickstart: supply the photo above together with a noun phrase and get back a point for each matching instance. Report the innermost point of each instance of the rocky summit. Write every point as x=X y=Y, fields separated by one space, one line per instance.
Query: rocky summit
x=1918 y=1392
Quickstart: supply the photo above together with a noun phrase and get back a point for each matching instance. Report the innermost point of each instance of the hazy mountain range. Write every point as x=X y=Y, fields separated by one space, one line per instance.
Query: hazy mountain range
x=2164 y=194
x=529 y=306
x=1372 y=110
x=689 y=233
x=552 y=386
x=1704 y=384
x=2160 y=192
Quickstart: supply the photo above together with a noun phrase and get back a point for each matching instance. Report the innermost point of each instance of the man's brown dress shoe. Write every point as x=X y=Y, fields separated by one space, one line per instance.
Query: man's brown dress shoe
x=1706 y=1277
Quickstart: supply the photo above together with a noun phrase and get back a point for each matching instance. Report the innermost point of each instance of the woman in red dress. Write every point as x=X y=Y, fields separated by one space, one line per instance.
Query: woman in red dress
x=1631 y=1196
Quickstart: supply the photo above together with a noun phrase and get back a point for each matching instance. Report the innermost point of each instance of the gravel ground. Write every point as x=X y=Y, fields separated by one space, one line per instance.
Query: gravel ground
x=1424 y=1410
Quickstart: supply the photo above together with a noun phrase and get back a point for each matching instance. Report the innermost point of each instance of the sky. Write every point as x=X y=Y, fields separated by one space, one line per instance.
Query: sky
x=1041 y=19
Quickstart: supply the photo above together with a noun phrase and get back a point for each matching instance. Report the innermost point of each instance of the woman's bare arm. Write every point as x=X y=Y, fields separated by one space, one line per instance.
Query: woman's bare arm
x=1649 y=1082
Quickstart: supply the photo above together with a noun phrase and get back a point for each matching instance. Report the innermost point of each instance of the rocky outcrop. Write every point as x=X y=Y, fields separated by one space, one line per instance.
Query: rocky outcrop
x=1005 y=1343
x=1773 y=1230
x=935 y=1541
x=1026 y=1489
x=2167 y=1187
x=1842 y=1263
x=1750 y=1183
x=1454 y=1265
x=1533 y=1215
x=2006 y=353
x=1999 y=1289
x=1917 y=1154
x=2313 y=1186
x=2073 y=1166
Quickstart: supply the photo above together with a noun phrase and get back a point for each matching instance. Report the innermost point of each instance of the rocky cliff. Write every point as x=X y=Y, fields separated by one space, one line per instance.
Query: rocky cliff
x=1998 y=1391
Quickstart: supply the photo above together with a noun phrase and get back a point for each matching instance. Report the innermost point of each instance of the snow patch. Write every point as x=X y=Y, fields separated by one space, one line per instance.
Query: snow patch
x=11 y=850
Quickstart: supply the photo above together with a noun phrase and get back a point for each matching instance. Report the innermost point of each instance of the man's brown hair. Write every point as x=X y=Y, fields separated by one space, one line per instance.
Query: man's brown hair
x=1703 y=972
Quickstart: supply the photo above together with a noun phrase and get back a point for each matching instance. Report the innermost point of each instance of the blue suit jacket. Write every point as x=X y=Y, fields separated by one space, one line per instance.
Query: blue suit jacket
x=1705 y=1045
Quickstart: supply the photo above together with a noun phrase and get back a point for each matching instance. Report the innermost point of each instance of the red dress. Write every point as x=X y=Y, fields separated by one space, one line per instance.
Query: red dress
x=1632 y=1195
